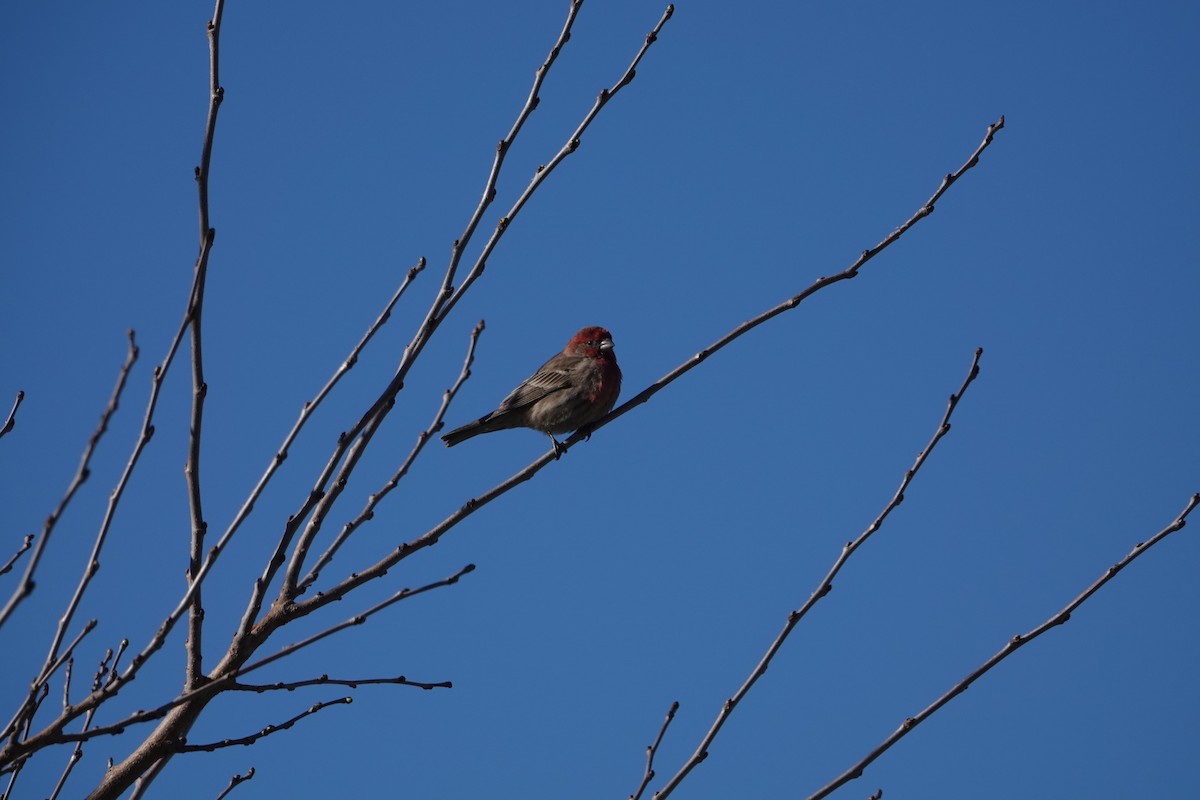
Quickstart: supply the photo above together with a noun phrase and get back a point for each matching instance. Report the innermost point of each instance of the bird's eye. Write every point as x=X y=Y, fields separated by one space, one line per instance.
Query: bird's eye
x=591 y=342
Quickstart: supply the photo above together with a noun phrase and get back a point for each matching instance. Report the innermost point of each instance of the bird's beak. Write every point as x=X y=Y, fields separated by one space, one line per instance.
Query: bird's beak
x=606 y=344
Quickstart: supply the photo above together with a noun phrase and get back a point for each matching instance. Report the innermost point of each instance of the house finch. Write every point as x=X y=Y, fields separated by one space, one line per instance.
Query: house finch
x=572 y=390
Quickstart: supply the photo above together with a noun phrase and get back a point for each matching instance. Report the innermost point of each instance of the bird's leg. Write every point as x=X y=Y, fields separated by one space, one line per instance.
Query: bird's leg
x=558 y=451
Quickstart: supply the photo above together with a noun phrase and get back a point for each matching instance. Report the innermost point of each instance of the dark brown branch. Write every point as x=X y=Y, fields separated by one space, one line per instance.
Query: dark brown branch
x=8 y=565
x=23 y=718
x=1011 y=647
x=543 y=171
x=359 y=619
x=265 y=732
x=325 y=680
x=648 y=774
x=195 y=314
x=12 y=415
x=823 y=588
x=369 y=511
x=502 y=148
x=277 y=560
x=81 y=475
x=234 y=781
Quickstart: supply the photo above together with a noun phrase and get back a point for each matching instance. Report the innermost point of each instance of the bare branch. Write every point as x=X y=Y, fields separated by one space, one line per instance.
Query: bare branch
x=8 y=565
x=502 y=148
x=12 y=415
x=195 y=315
x=823 y=589
x=265 y=732
x=543 y=171
x=403 y=594
x=325 y=680
x=277 y=560
x=24 y=715
x=648 y=775
x=1011 y=647
x=55 y=735
x=81 y=475
x=790 y=303
x=374 y=500
x=234 y=781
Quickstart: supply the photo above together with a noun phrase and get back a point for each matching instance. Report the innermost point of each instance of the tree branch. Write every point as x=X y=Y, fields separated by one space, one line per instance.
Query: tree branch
x=277 y=560
x=823 y=589
x=8 y=565
x=265 y=732
x=325 y=680
x=12 y=415
x=81 y=475
x=234 y=781
x=1011 y=647
x=369 y=511
x=648 y=774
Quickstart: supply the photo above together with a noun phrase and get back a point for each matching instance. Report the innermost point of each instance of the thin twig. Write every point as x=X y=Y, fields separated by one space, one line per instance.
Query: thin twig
x=823 y=589
x=359 y=619
x=81 y=475
x=325 y=680
x=543 y=171
x=12 y=415
x=1011 y=647
x=648 y=774
x=234 y=781
x=265 y=732
x=277 y=560
x=8 y=565
x=502 y=148
x=369 y=511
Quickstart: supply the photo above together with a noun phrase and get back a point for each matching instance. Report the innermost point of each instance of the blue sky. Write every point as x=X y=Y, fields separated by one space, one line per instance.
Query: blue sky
x=756 y=150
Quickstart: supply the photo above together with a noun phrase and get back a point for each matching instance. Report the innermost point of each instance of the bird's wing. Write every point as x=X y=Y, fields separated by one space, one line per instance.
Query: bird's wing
x=549 y=379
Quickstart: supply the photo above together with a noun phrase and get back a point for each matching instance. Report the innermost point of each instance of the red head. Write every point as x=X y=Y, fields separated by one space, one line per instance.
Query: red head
x=593 y=342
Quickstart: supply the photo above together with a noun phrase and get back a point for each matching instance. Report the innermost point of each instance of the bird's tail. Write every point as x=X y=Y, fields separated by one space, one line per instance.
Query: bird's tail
x=475 y=428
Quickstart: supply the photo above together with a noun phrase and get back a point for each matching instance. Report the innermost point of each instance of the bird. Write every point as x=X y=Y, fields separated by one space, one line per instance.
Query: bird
x=570 y=391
